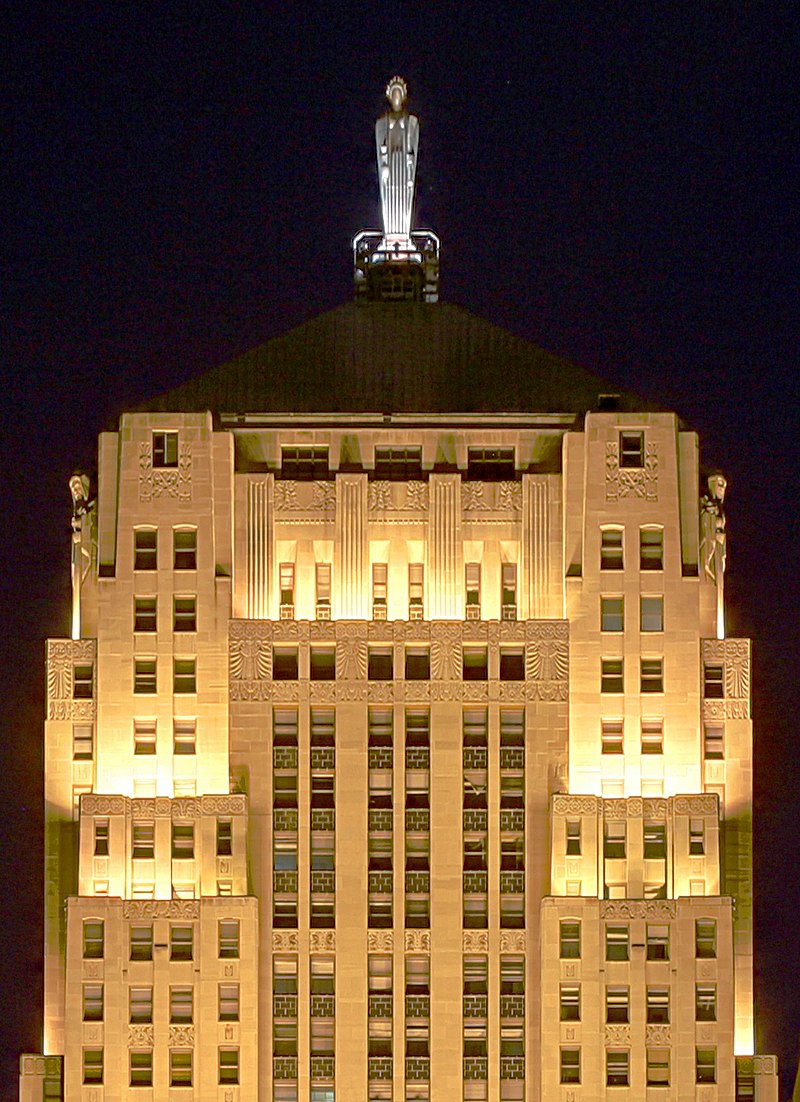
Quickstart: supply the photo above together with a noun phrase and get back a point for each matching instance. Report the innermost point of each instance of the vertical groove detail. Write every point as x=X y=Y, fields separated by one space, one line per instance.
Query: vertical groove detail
x=351 y=551
x=259 y=547
x=445 y=549
x=536 y=547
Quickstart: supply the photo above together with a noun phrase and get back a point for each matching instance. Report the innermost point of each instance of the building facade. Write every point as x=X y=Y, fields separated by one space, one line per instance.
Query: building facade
x=398 y=752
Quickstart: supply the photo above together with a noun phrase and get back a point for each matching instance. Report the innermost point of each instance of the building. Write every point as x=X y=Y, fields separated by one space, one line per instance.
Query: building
x=398 y=751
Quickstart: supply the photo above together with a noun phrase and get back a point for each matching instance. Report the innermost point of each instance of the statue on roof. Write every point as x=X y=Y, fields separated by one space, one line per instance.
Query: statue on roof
x=397 y=140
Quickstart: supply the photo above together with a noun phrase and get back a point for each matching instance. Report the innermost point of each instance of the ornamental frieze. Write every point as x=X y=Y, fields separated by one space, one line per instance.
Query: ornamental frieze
x=418 y=941
x=704 y=804
x=322 y=941
x=161 y=908
x=103 y=805
x=658 y=1034
x=171 y=482
x=181 y=1035
x=351 y=651
x=475 y=941
x=638 y=908
x=140 y=1036
x=617 y=1034
x=512 y=941
x=575 y=805
x=380 y=941
x=285 y=941
x=628 y=482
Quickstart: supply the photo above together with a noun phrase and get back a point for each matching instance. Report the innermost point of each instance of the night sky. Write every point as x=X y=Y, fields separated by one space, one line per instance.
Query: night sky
x=181 y=182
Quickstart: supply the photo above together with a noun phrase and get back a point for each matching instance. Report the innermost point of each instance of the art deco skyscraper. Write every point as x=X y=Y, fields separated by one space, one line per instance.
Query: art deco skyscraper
x=399 y=752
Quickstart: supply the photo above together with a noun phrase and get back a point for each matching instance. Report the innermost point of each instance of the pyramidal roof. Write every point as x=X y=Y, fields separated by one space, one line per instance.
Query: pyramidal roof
x=395 y=357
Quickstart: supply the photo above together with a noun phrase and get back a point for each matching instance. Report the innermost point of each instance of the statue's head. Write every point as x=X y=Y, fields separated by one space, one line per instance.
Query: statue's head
x=397 y=93
x=79 y=488
x=717 y=484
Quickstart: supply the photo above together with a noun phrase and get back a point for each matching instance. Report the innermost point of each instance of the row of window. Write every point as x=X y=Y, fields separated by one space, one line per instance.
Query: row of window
x=184 y=548
x=612 y=737
x=618 y=943
x=180 y=1067
x=651 y=675
x=656 y=1003
x=657 y=1066
x=143 y=839
x=612 y=548
x=145 y=675
x=651 y=614
x=181 y=941
x=180 y=1005
x=654 y=842
x=184 y=613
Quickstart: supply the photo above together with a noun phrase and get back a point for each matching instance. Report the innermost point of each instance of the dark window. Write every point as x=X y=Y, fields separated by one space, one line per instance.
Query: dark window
x=101 y=837
x=305 y=464
x=380 y=664
x=658 y=942
x=93 y=937
x=652 y=614
x=570 y=940
x=145 y=549
x=224 y=838
x=184 y=541
x=631 y=449
x=475 y=664
x=143 y=841
x=141 y=944
x=705 y=1002
x=144 y=614
x=184 y=679
x=284 y=664
x=614 y=840
x=93 y=1066
x=228 y=1066
x=617 y=1005
x=713 y=742
x=655 y=841
x=82 y=683
x=181 y=941
x=165 y=449
x=658 y=1006
x=706 y=1065
x=229 y=939
x=612 y=616
x=323 y=664
x=713 y=682
x=512 y=665
x=611 y=675
x=180 y=1067
x=418 y=664
x=652 y=675
x=490 y=464
x=182 y=841
x=573 y=838
x=398 y=464
x=144 y=675
x=617 y=1068
x=651 y=549
x=570 y=1002
x=617 y=943
x=570 y=1065
x=705 y=938
x=611 y=549
x=185 y=614
x=697 y=839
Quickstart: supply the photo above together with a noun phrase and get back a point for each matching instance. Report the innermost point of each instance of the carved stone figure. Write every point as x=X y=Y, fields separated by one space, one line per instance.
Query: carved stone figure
x=396 y=140
x=713 y=541
x=80 y=558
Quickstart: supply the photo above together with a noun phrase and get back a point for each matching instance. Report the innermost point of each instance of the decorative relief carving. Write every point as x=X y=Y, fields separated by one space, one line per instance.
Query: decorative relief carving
x=475 y=941
x=512 y=941
x=654 y=809
x=284 y=692
x=323 y=495
x=352 y=691
x=379 y=495
x=658 y=1035
x=417 y=691
x=159 y=482
x=319 y=630
x=250 y=647
x=285 y=495
x=351 y=653
x=509 y=496
x=380 y=941
x=103 y=805
x=285 y=941
x=322 y=692
x=513 y=691
x=160 y=908
x=575 y=805
x=417 y=496
x=449 y=690
x=322 y=941
x=641 y=482
x=380 y=692
x=638 y=908
x=446 y=651
x=140 y=1035
x=418 y=941
x=765 y=1065
x=472 y=499
x=618 y=1034
x=223 y=805
x=547 y=651
x=411 y=631
x=705 y=804
x=181 y=1035
x=92 y=970
x=62 y=656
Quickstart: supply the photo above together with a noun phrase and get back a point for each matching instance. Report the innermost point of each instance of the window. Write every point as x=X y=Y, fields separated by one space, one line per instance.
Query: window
x=418 y=664
x=658 y=1067
x=713 y=682
x=570 y=1002
x=145 y=549
x=631 y=449
x=82 y=742
x=475 y=664
x=184 y=675
x=508 y=591
x=323 y=589
x=93 y=1002
x=93 y=1066
x=617 y=943
x=380 y=665
x=705 y=1002
x=697 y=837
x=184 y=736
x=706 y=1065
x=229 y=939
x=144 y=736
x=651 y=549
x=180 y=1005
x=323 y=664
x=224 y=837
x=713 y=741
x=611 y=736
x=658 y=1006
x=305 y=464
x=570 y=1065
x=398 y=464
x=655 y=841
x=286 y=586
x=652 y=736
x=184 y=549
x=144 y=675
x=144 y=614
x=573 y=837
x=165 y=449
x=614 y=840
x=612 y=616
x=705 y=938
x=512 y=664
x=93 y=937
x=380 y=586
x=82 y=683
x=617 y=1004
x=143 y=841
x=570 y=940
x=229 y=1002
x=490 y=464
x=416 y=586
x=101 y=837
x=185 y=614
x=180 y=1067
x=228 y=1066
x=611 y=549
x=181 y=942
x=141 y=1005
x=657 y=942
x=617 y=1068
x=652 y=675
x=141 y=1067
x=141 y=943
x=611 y=675
x=472 y=579
x=284 y=663
x=651 y=614
x=182 y=841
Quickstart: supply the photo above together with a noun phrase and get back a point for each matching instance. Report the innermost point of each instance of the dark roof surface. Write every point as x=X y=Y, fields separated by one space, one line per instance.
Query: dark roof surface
x=394 y=358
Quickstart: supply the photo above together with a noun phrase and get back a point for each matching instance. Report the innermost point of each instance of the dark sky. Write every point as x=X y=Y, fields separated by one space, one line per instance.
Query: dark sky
x=181 y=182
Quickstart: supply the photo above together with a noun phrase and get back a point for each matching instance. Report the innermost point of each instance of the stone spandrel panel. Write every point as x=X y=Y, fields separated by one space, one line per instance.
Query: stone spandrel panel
x=63 y=655
x=734 y=655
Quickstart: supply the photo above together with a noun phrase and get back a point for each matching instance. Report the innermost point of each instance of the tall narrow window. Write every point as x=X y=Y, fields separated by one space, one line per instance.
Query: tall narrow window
x=144 y=614
x=652 y=736
x=101 y=837
x=570 y=1002
x=652 y=675
x=508 y=591
x=286 y=585
x=570 y=940
x=472 y=573
x=611 y=675
x=145 y=549
x=611 y=549
x=612 y=616
x=323 y=580
x=651 y=549
x=144 y=736
x=184 y=677
x=165 y=449
x=380 y=586
x=229 y=939
x=631 y=449
x=82 y=742
x=144 y=676
x=416 y=596
x=713 y=741
x=93 y=1002
x=705 y=938
x=713 y=682
x=140 y=1009
x=93 y=940
x=185 y=614
x=652 y=614
x=611 y=736
x=184 y=546
x=184 y=736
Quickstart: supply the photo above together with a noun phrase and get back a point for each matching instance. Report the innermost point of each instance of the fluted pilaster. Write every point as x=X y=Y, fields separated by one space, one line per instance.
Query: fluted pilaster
x=445 y=549
x=351 y=550
x=260 y=509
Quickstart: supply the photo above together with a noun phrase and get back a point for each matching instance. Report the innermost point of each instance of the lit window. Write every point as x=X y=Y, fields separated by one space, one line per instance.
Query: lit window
x=652 y=675
x=144 y=614
x=705 y=1002
x=380 y=585
x=229 y=1002
x=416 y=587
x=617 y=1068
x=181 y=1003
x=705 y=938
x=652 y=736
x=323 y=586
x=82 y=683
x=101 y=837
x=93 y=1002
x=508 y=591
x=93 y=940
x=631 y=449
x=181 y=942
x=229 y=939
x=651 y=549
x=228 y=1066
x=658 y=1006
x=617 y=943
x=612 y=617
x=305 y=464
x=570 y=1065
x=472 y=576
x=93 y=1066
x=706 y=1065
x=143 y=841
x=184 y=675
x=141 y=943
x=713 y=742
x=145 y=549
x=652 y=614
x=617 y=1005
x=180 y=1067
x=286 y=586
x=570 y=1002
x=185 y=614
x=141 y=1005
x=570 y=940
x=82 y=742
x=398 y=464
x=611 y=736
x=658 y=1067
x=184 y=547
x=573 y=837
x=144 y=736
x=611 y=675
x=657 y=942
x=144 y=676
x=611 y=549
x=184 y=736
x=165 y=449
x=141 y=1067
